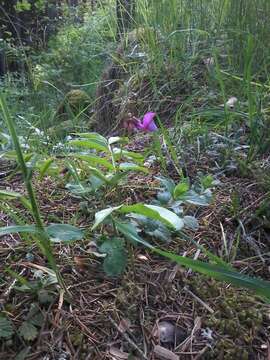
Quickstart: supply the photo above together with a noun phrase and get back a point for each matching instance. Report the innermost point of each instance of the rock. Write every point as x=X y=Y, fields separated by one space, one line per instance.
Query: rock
x=169 y=333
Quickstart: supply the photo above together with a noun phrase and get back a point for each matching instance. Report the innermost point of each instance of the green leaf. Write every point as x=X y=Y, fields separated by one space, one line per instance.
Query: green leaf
x=6 y=329
x=180 y=189
x=4 y=194
x=28 y=331
x=115 y=262
x=93 y=136
x=113 y=180
x=45 y=166
x=101 y=215
x=131 y=233
x=79 y=189
x=120 y=153
x=132 y=167
x=191 y=222
x=193 y=198
x=64 y=233
x=18 y=229
x=207 y=181
x=152 y=227
x=22 y=355
x=261 y=287
x=156 y=213
x=164 y=197
x=37 y=320
x=91 y=141
x=94 y=160
x=98 y=174
x=221 y=273
x=168 y=184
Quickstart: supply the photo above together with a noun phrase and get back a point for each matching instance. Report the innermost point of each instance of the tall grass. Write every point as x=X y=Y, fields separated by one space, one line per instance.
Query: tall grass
x=178 y=34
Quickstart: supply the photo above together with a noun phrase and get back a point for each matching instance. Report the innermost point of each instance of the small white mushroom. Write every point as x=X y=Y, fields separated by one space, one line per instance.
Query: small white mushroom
x=231 y=102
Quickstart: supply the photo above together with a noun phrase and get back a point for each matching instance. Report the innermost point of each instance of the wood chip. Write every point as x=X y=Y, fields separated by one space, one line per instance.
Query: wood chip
x=164 y=354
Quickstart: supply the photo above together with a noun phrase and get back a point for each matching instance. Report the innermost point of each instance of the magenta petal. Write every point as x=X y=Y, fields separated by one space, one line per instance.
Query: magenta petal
x=148 y=119
x=152 y=127
x=139 y=125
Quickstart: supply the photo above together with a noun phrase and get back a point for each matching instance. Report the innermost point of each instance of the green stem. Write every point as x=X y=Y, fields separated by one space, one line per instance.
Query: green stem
x=43 y=241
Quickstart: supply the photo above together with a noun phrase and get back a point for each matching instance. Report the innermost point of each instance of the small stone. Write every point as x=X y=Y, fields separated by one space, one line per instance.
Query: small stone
x=169 y=333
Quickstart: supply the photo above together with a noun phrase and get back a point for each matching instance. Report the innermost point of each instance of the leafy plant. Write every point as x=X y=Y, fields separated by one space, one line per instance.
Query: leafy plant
x=42 y=236
x=155 y=221
x=6 y=328
x=115 y=261
x=106 y=163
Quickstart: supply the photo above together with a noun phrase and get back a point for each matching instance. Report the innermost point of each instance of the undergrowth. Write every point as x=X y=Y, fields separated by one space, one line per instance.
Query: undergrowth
x=195 y=191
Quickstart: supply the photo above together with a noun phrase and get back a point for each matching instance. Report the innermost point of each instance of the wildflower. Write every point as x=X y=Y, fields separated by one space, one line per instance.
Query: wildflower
x=146 y=124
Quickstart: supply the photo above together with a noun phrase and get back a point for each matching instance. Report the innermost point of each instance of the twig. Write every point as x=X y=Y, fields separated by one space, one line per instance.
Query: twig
x=128 y=339
x=199 y=300
x=7 y=292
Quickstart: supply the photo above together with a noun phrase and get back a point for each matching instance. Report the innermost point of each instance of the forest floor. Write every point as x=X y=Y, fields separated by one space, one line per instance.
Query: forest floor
x=122 y=318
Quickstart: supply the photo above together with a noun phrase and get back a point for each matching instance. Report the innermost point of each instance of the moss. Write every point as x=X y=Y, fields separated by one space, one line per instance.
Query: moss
x=237 y=319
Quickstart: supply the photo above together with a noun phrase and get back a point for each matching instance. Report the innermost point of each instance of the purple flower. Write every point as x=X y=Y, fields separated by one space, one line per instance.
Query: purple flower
x=146 y=124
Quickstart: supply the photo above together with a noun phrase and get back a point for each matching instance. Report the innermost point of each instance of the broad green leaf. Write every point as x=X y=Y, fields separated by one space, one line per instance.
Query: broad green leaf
x=4 y=194
x=152 y=227
x=157 y=213
x=180 y=189
x=101 y=215
x=28 y=331
x=196 y=199
x=98 y=174
x=93 y=136
x=18 y=229
x=64 y=232
x=164 y=197
x=91 y=141
x=90 y=144
x=167 y=183
x=120 y=153
x=94 y=160
x=115 y=262
x=6 y=329
x=130 y=232
x=132 y=167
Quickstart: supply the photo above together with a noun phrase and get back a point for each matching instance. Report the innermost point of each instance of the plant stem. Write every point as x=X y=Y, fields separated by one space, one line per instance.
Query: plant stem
x=43 y=240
